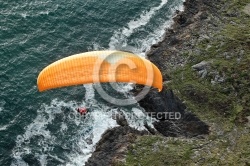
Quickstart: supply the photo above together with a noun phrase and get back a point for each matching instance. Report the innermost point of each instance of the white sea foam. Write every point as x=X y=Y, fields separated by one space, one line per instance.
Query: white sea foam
x=119 y=38
x=160 y=31
x=31 y=9
x=99 y=120
x=5 y=127
x=38 y=128
x=84 y=133
x=89 y=94
x=137 y=118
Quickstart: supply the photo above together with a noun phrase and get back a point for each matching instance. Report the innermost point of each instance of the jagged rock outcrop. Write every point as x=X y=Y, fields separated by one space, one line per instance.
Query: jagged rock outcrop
x=173 y=119
x=190 y=26
x=161 y=102
x=113 y=146
x=166 y=55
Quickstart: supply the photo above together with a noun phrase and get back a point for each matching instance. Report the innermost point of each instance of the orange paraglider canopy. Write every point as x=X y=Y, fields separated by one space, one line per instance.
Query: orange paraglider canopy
x=98 y=67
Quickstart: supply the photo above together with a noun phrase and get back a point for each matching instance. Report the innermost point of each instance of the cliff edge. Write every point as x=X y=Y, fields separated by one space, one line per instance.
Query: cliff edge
x=204 y=58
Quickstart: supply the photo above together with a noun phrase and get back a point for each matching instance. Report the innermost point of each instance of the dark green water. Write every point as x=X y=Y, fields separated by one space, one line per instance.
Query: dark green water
x=43 y=128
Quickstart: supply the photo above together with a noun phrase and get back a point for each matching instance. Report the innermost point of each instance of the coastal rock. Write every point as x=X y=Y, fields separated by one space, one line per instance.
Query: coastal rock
x=167 y=55
x=203 y=73
x=190 y=26
x=173 y=119
x=201 y=66
x=112 y=147
x=189 y=125
x=156 y=104
x=120 y=119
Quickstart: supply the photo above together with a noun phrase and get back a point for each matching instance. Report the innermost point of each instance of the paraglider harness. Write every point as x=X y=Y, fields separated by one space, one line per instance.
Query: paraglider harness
x=82 y=111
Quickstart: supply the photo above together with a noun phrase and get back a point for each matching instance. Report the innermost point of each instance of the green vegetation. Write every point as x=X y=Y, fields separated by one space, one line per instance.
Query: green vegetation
x=156 y=150
x=228 y=54
x=233 y=149
x=222 y=102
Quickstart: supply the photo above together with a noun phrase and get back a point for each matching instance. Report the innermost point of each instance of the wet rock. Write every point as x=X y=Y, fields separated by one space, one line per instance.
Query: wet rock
x=89 y=140
x=173 y=41
x=120 y=119
x=150 y=129
x=113 y=145
x=180 y=19
x=156 y=104
x=173 y=119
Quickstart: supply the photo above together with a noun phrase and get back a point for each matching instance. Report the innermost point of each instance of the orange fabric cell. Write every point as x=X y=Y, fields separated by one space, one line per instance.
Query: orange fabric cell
x=98 y=67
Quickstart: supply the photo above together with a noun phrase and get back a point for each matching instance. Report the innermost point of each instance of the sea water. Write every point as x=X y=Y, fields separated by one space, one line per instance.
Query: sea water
x=44 y=128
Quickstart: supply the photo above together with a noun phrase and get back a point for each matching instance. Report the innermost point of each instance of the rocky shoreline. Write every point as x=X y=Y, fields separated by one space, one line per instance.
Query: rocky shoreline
x=188 y=43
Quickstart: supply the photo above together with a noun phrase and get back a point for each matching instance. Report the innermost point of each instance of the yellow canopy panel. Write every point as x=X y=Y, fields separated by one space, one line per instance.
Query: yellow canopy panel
x=98 y=67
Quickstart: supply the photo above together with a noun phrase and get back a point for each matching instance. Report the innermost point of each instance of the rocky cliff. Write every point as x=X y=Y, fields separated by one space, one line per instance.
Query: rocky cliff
x=204 y=58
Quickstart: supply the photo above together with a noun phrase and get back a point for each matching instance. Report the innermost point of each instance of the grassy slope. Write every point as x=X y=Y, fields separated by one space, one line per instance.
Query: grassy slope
x=224 y=106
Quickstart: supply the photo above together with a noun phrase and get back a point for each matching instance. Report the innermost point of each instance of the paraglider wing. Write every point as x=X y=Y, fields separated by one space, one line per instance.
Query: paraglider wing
x=98 y=67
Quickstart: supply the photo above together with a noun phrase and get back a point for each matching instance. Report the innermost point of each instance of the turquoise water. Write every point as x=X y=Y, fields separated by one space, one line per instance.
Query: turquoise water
x=43 y=128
